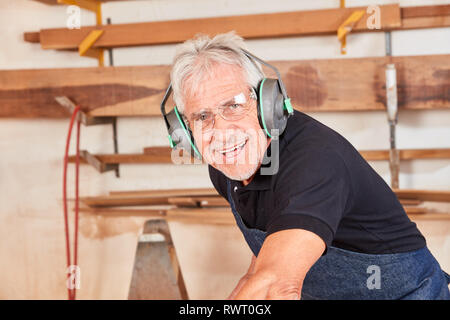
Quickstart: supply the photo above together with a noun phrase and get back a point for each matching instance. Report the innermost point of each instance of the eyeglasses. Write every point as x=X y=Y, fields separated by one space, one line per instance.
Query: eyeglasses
x=232 y=110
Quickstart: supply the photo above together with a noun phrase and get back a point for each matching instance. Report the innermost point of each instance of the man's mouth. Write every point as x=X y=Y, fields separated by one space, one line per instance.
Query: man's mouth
x=233 y=150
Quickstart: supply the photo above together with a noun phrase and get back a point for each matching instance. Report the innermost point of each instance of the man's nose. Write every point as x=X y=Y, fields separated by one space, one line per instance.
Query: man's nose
x=222 y=124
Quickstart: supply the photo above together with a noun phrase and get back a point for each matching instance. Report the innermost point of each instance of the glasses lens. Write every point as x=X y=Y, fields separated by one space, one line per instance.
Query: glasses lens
x=235 y=108
x=203 y=121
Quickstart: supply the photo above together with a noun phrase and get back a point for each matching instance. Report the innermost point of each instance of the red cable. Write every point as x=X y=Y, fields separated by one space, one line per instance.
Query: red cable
x=71 y=296
x=77 y=182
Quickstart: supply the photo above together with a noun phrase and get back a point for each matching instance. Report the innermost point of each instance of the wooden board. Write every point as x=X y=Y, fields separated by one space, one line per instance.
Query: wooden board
x=114 y=201
x=55 y=2
x=424 y=195
x=282 y=24
x=425 y=11
x=410 y=202
x=406 y=154
x=314 y=85
x=187 y=215
x=221 y=216
x=31 y=93
x=163 y=155
x=166 y=193
x=425 y=17
x=203 y=202
x=430 y=216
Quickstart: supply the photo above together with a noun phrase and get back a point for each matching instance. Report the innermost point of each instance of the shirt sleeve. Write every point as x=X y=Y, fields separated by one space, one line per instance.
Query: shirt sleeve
x=314 y=189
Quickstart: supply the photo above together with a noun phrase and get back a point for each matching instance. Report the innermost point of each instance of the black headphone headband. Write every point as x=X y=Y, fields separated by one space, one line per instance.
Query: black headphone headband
x=282 y=87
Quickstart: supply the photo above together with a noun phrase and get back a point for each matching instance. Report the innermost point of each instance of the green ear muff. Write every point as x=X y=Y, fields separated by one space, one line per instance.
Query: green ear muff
x=273 y=109
x=179 y=135
x=187 y=134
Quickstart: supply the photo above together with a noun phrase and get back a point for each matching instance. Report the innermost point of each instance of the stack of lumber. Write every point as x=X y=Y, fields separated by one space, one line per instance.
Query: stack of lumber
x=207 y=206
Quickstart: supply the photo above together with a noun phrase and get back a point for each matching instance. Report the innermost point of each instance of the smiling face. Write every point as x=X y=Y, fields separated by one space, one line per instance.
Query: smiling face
x=236 y=148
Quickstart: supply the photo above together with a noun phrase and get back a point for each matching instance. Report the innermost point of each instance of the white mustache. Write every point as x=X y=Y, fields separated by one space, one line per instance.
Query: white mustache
x=229 y=144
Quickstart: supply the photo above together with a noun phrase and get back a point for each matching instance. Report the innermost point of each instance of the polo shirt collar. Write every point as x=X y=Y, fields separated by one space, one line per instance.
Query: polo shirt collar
x=259 y=181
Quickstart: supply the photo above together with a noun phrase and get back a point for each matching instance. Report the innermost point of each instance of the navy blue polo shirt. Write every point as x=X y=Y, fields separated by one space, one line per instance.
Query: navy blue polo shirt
x=323 y=185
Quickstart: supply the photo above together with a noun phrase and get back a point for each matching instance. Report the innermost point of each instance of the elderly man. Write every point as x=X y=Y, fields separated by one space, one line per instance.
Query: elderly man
x=321 y=223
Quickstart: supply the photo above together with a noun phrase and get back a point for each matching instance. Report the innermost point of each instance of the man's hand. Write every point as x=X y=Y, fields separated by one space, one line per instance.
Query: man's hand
x=281 y=266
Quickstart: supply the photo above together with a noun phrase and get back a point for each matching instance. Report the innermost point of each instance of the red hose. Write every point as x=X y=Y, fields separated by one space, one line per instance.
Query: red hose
x=71 y=292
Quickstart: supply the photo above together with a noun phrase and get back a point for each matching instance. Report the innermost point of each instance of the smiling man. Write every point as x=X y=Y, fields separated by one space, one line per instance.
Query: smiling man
x=323 y=224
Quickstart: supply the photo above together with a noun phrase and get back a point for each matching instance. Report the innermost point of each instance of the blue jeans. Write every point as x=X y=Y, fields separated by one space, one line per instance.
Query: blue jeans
x=344 y=274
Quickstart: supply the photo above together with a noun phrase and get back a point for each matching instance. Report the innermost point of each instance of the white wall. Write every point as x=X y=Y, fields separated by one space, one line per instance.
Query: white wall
x=32 y=254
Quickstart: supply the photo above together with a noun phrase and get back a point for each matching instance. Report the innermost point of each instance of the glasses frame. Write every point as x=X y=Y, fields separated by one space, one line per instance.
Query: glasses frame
x=219 y=111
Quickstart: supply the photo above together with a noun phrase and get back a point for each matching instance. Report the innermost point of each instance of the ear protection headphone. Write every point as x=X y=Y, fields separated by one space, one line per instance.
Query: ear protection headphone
x=273 y=103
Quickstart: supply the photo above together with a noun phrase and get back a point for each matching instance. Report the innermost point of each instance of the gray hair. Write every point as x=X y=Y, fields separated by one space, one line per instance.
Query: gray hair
x=194 y=58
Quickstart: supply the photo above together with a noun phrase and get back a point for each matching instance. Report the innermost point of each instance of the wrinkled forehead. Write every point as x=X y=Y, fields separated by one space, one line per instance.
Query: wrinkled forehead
x=221 y=83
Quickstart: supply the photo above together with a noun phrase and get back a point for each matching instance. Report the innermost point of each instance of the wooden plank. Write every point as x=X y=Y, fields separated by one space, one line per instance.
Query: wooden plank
x=410 y=202
x=201 y=215
x=166 y=193
x=221 y=216
x=415 y=210
x=162 y=155
x=282 y=24
x=158 y=150
x=110 y=212
x=425 y=23
x=313 y=85
x=51 y=2
x=218 y=216
x=406 y=154
x=348 y=84
x=118 y=201
x=31 y=93
x=132 y=158
x=424 y=195
x=425 y=11
x=430 y=216
x=213 y=202
x=203 y=201
x=33 y=37
x=184 y=202
x=425 y=17
x=55 y=2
